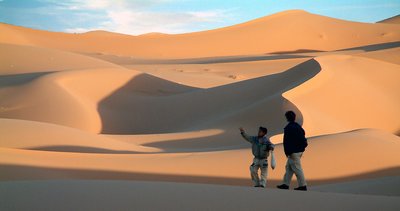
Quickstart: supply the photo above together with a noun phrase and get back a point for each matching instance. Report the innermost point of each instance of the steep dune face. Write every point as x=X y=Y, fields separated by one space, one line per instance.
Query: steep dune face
x=217 y=107
x=349 y=93
x=392 y=20
x=286 y=31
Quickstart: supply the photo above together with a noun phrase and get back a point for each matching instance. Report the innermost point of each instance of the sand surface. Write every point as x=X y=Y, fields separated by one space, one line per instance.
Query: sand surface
x=130 y=119
x=67 y=195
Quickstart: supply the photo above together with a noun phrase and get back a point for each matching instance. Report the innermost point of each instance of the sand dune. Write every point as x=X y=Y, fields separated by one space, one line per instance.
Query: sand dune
x=392 y=20
x=18 y=59
x=48 y=137
x=130 y=89
x=391 y=55
x=166 y=108
x=212 y=75
x=349 y=93
x=56 y=87
x=36 y=164
x=269 y=34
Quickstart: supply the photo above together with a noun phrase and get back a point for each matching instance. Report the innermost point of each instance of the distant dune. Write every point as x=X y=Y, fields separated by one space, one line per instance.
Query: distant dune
x=285 y=31
x=159 y=108
x=392 y=20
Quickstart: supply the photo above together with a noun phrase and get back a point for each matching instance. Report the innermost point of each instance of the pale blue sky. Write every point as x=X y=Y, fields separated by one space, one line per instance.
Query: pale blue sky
x=175 y=16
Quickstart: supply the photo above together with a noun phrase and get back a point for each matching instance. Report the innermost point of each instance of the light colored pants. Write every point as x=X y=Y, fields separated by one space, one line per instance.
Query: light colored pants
x=259 y=164
x=293 y=166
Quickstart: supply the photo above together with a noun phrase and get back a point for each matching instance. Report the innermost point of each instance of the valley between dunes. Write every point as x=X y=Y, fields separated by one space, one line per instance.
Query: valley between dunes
x=100 y=112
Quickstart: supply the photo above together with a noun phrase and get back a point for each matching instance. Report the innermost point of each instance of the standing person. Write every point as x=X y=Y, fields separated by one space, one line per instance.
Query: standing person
x=294 y=143
x=260 y=146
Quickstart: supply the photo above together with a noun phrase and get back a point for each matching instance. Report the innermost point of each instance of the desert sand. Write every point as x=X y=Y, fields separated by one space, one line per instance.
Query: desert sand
x=126 y=120
x=392 y=20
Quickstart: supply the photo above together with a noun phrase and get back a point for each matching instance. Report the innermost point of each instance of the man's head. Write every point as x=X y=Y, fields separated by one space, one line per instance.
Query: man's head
x=290 y=116
x=262 y=131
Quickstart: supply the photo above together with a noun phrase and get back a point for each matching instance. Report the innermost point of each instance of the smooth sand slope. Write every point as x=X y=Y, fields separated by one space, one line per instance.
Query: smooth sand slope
x=165 y=108
x=282 y=32
x=391 y=55
x=50 y=137
x=19 y=59
x=349 y=93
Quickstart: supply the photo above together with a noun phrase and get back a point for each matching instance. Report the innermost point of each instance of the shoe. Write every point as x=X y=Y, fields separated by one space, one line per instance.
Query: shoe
x=261 y=186
x=302 y=188
x=283 y=186
x=257 y=186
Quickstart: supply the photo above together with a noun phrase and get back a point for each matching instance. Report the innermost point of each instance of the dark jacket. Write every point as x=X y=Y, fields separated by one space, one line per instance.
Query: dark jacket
x=260 y=147
x=294 y=139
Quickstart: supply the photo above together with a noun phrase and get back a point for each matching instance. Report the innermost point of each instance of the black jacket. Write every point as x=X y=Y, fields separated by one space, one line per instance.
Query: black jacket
x=294 y=139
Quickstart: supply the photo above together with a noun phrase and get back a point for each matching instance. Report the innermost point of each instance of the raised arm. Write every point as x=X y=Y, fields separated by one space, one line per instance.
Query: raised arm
x=245 y=136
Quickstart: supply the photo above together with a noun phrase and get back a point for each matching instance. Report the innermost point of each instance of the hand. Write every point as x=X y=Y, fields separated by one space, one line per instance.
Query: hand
x=241 y=130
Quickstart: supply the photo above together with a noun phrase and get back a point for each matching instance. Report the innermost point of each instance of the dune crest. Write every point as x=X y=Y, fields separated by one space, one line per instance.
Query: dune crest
x=269 y=34
x=392 y=20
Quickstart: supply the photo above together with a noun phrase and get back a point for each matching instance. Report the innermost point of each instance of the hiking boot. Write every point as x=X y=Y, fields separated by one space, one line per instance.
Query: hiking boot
x=302 y=188
x=283 y=186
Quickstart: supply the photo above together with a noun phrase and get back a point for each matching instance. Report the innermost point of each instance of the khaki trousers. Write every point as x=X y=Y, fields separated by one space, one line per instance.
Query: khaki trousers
x=293 y=166
x=261 y=164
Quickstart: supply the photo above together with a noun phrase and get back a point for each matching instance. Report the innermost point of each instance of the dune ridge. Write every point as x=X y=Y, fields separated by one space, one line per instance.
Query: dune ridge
x=391 y=20
x=265 y=35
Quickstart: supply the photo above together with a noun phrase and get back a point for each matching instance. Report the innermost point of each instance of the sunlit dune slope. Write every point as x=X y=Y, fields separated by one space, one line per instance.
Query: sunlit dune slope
x=22 y=134
x=349 y=93
x=328 y=159
x=18 y=59
x=285 y=31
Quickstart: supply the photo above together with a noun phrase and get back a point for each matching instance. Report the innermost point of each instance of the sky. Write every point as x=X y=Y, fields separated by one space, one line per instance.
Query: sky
x=175 y=16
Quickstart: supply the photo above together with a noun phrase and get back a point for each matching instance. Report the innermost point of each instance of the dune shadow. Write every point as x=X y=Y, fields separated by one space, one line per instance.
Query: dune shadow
x=82 y=149
x=120 y=110
x=374 y=47
x=21 y=172
x=202 y=60
x=234 y=59
x=20 y=79
x=229 y=139
x=133 y=109
x=298 y=51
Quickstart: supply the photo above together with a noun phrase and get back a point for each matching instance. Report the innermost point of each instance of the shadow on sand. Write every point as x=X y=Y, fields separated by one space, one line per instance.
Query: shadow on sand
x=126 y=111
x=16 y=172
